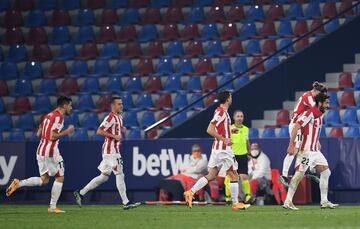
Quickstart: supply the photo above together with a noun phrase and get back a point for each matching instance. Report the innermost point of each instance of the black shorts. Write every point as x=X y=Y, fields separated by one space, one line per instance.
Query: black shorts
x=242 y=161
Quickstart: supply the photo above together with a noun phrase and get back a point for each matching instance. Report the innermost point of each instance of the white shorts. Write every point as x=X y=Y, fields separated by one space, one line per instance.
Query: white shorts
x=51 y=165
x=111 y=163
x=223 y=159
x=298 y=138
x=310 y=159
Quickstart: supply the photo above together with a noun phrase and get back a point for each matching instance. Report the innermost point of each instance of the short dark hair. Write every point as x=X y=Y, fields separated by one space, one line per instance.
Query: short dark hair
x=321 y=97
x=319 y=87
x=63 y=100
x=237 y=111
x=223 y=96
x=113 y=98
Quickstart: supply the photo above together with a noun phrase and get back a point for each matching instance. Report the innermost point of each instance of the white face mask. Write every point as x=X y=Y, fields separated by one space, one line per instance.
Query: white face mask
x=254 y=153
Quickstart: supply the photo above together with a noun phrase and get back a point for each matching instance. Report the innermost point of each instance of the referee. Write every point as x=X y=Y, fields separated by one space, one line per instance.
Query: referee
x=241 y=147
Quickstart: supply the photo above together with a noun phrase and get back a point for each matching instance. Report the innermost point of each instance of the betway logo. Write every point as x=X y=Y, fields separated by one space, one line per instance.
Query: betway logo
x=157 y=164
x=7 y=168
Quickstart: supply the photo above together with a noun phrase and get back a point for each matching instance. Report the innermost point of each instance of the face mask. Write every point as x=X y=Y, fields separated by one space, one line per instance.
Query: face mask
x=196 y=154
x=254 y=153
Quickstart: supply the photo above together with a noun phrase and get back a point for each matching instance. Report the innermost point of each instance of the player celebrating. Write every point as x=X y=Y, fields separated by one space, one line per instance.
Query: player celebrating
x=309 y=123
x=48 y=156
x=111 y=129
x=221 y=154
x=305 y=102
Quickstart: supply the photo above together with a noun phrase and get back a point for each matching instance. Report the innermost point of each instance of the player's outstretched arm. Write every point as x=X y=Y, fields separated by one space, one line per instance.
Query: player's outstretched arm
x=55 y=136
x=104 y=133
x=212 y=131
x=291 y=148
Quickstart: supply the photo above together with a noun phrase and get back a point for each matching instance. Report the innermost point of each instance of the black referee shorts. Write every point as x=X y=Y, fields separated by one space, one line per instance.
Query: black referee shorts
x=242 y=161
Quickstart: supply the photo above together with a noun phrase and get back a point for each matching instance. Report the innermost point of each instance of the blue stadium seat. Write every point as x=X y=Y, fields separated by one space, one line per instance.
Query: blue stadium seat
x=60 y=35
x=184 y=66
x=255 y=13
x=34 y=137
x=48 y=87
x=283 y=44
x=295 y=11
x=91 y=85
x=332 y=118
x=144 y=101
x=148 y=33
x=101 y=68
x=173 y=83
x=119 y=4
x=268 y=133
x=17 y=53
x=130 y=119
x=253 y=133
x=127 y=100
x=90 y=121
x=223 y=66
x=110 y=51
x=35 y=18
x=352 y=132
x=46 y=5
x=240 y=64
x=194 y=84
x=71 y=4
x=33 y=70
x=253 y=47
x=97 y=137
x=224 y=79
x=241 y=81
x=195 y=15
x=161 y=3
x=198 y=105
x=332 y=25
x=84 y=35
x=130 y=16
x=284 y=132
x=175 y=49
x=209 y=32
x=357 y=80
x=134 y=84
x=42 y=104
x=85 y=103
x=350 y=117
x=80 y=134
x=147 y=119
x=79 y=68
x=123 y=67
x=179 y=118
x=23 y=87
x=202 y=3
x=85 y=17
x=67 y=52
x=214 y=48
x=71 y=119
x=180 y=100
x=285 y=28
x=8 y=71
x=17 y=135
x=5 y=122
x=272 y=62
x=26 y=122
x=334 y=102
x=247 y=30
x=114 y=84
x=2 y=106
x=313 y=9
x=134 y=134
x=5 y=5
x=164 y=66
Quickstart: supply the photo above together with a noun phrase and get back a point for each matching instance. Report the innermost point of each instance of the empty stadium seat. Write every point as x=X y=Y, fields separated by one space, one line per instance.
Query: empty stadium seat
x=16 y=135
x=284 y=132
x=253 y=133
x=269 y=47
x=144 y=101
x=23 y=87
x=110 y=51
x=134 y=134
x=241 y=81
x=58 y=69
x=80 y=134
x=127 y=33
x=285 y=29
x=91 y=85
x=103 y=104
x=345 y=80
x=204 y=66
x=134 y=84
x=153 y=84
x=235 y=13
x=5 y=122
x=151 y=16
x=67 y=52
x=332 y=25
x=352 y=132
x=71 y=119
x=194 y=84
x=88 y=51
x=85 y=103
x=148 y=33
x=268 y=133
x=85 y=17
x=272 y=62
x=169 y=32
x=106 y=34
x=210 y=83
x=17 y=53
x=350 y=117
x=175 y=49
x=144 y=67
x=247 y=30
x=33 y=70
x=194 y=49
x=164 y=66
x=255 y=13
x=60 y=18
x=114 y=84
x=79 y=68
x=25 y=122
x=101 y=68
x=123 y=67
x=71 y=4
x=240 y=64
x=225 y=79
x=42 y=104
x=268 y=29
x=295 y=11
x=130 y=119
x=147 y=119
x=184 y=66
x=21 y=105
x=180 y=100
x=223 y=66
x=108 y=17
x=347 y=99
x=2 y=107
x=35 y=18
x=189 y=32
x=213 y=49
x=336 y=133
x=253 y=47
x=275 y=12
x=164 y=102
x=154 y=49
x=132 y=50
x=48 y=86
x=173 y=83
x=130 y=16
x=332 y=118
x=41 y=53
x=199 y=105
x=209 y=32
x=13 y=19
x=68 y=87
x=36 y=36
x=234 y=48
x=216 y=14
x=90 y=121
x=179 y=118
x=195 y=15
x=84 y=35
x=46 y=5
x=14 y=36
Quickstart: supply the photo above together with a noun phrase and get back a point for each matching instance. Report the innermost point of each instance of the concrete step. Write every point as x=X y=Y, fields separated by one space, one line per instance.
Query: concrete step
x=351 y=67
x=262 y=123
x=357 y=58
x=270 y=114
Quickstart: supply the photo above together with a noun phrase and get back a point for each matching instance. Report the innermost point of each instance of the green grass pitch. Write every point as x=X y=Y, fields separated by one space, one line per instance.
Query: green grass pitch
x=102 y=216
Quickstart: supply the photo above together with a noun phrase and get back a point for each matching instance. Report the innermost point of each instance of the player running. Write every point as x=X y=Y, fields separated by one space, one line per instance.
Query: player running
x=111 y=129
x=305 y=102
x=309 y=124
x=221 y=154
x=50 y=162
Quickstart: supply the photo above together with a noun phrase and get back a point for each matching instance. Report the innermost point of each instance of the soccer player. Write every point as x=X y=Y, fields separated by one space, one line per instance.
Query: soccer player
x=309 y=123
x=111 y=129
x=305 y=102
x=50 y=162
x=221 y=154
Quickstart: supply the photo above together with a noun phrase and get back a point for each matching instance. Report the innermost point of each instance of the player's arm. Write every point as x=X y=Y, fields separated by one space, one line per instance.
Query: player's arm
x=55 y=135
x=211 y=130
x=291 y=147
x=101 y=131
x=39 y=131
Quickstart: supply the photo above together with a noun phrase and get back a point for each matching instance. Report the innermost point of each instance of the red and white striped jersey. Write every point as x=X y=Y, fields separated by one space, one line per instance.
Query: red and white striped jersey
x=305 y=102
x=112 y=124
x=222 y=122
x=54 y=121
x=311 y=122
